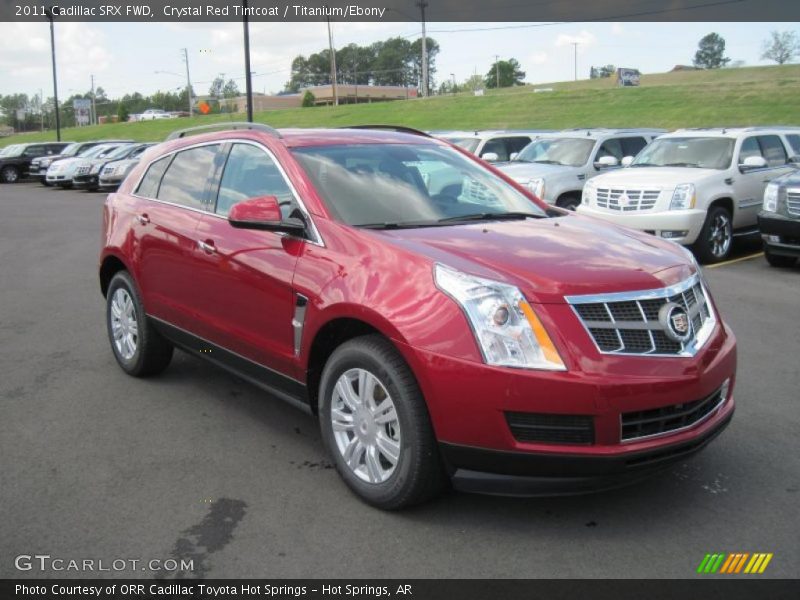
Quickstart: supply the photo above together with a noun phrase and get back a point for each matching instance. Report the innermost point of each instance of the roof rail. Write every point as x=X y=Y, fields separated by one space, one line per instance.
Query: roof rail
x=231 y=125
x=397 y=128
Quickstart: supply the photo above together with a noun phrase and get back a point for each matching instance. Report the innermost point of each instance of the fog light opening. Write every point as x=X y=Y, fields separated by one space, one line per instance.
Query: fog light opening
x=672 y=234
x=725 y=389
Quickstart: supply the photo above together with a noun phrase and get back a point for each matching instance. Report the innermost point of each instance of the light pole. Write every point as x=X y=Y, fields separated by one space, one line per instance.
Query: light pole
x=497 y=69
x=188 y=80
x=422 y=6
x=247 y=75
x=453 y=75
x=575 y=47
x=94 y=105
x=50 y=16
x=333 y=64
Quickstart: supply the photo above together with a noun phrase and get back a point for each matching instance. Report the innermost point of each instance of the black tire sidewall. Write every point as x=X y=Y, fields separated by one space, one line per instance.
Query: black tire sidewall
x=6 y=170
x=702 y=246
x=353 y=355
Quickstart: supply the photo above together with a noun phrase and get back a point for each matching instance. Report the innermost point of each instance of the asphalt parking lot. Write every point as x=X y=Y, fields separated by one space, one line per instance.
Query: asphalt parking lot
x=195 y=463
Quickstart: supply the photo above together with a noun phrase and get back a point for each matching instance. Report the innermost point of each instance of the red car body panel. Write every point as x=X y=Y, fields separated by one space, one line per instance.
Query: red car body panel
x=241 y=297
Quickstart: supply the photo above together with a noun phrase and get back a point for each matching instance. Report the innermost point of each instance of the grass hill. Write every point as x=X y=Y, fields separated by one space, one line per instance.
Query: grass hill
x=722 y=97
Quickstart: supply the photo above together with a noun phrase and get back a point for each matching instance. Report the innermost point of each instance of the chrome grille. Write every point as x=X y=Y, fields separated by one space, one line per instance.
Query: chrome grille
x=626 y=200
x=82 y=170
x=108 y=170
x=628 y=322
x=793 y=202
x=668 y=419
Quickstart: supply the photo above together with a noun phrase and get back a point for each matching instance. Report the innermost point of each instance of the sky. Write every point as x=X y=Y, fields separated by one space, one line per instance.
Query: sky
x=124 y=57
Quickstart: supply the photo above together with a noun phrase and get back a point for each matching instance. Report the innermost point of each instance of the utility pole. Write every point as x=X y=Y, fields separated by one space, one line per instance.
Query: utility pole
x=333 y=64
x=41 y=107
x=50 y=16
x=497 y=69
x=453 y=75
x=188 y=80
x=575 y=47
x=355 y=73
x=247 y=73
x=422 y=6
x=94 y=106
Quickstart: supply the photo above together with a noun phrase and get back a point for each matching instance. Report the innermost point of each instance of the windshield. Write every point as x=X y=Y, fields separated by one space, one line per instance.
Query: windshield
x=695 y=152
x=71 y=149
x=572 y=152
x=469 y=144
x=96 y=151
x=407 y=185
x=120 y=152
x=13 y=150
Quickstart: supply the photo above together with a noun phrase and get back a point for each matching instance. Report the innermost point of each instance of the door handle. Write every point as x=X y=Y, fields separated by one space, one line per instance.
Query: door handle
x=206 y=246
x=143 y=219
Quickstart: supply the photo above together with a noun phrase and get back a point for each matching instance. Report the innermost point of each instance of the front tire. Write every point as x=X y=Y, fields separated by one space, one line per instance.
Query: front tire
x=139 y=349
x=716 y=238
x=777 y=260
x=376 y=427
x=569 y=202
x=9 y=175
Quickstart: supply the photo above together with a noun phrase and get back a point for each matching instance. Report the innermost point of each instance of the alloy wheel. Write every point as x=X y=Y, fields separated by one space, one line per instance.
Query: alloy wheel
x=10 y=175
x=720 y=235
x=365 y=426
x=124 y=325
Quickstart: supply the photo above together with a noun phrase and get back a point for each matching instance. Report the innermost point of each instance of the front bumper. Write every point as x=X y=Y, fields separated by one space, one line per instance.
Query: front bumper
x=110 y=182
x=59 y=178
x=655 y=223
x=85 y=181
x=469 y=405
x=781 y=234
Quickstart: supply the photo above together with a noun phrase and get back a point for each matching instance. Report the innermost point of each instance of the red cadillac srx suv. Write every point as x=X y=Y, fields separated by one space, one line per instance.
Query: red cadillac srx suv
x=444 y=324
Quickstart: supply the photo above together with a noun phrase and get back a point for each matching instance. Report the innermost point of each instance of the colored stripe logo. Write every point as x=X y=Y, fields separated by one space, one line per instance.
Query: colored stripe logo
x=735 y=563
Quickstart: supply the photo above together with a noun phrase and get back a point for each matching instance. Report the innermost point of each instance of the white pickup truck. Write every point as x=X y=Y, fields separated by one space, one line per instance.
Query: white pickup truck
x=696 y=187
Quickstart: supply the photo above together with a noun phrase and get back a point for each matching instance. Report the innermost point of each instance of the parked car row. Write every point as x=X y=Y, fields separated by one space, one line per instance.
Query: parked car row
x=698 y=187
x=91 y=165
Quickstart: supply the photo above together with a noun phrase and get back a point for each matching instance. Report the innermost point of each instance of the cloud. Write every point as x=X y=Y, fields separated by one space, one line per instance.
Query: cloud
x=583 y=38
x=538 y=58
x=617 y=29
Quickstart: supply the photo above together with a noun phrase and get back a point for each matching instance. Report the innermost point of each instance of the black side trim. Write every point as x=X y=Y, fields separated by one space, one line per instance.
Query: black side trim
x=278 y=384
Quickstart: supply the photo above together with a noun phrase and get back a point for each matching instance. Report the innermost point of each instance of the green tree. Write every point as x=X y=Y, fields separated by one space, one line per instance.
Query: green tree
x=507 y=71
x=711 y=52
x=308 y=99
x=230 y=90
x=122 y=113
x=781 y=47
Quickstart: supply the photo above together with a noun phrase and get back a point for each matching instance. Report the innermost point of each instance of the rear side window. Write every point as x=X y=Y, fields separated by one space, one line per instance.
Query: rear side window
x=35 y=151
x=185 y=181
x=249 y=173
x=148 y=188
x=794 y=142
x=772 y=150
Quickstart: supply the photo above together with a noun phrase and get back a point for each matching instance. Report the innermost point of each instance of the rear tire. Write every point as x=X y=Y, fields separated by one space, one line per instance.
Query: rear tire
x=777 y=260
x=376 y=427
x=9 y=175
x=569 y=201
x=139 y=349
x=716 y=237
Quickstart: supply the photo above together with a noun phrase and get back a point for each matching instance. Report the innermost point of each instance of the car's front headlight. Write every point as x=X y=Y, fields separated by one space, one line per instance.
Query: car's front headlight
x=507 y=330
x=537 y=187
x=589 y=189
x=771 y=197
x=95 y=169
x=45 y=162
x=683 y=197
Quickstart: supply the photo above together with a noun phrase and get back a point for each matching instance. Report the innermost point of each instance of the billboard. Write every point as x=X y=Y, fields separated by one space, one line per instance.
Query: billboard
x=83 y=111
x=627 y=77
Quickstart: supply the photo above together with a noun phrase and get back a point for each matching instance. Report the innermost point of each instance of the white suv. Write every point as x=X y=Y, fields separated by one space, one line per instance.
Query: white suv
x=697 y=187
x=491 y=146
x=556 y=166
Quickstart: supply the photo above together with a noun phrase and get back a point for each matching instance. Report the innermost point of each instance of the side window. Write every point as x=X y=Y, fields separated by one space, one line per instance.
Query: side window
x=148 y=188
x=612 y=147
x=632 y=146
x=31 y=151
x=772 y=150
x=749 y=148
x=794 y=142
x=249 y=173
x=497 y=146
x=185 y=180
x=516 y=144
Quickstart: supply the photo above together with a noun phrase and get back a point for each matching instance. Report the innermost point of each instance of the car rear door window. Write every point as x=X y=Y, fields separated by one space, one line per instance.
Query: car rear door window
x=148 y=187
x=249 y=173
x=772 y=150
x=794 y=142
x=186 y=178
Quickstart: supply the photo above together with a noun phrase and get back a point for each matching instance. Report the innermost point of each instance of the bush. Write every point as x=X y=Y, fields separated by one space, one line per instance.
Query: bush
x=308 y=99
x=122 y=114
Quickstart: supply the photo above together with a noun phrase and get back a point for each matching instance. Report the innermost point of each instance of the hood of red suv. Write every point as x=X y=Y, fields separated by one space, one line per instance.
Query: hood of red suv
x=552 y=258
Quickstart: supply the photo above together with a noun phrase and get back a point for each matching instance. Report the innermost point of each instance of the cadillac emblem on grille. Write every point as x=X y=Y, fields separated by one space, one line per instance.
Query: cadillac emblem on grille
x=675 y=321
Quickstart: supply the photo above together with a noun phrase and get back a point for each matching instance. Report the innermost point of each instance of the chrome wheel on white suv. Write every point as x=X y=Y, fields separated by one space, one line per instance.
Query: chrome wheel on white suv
x=716 y=238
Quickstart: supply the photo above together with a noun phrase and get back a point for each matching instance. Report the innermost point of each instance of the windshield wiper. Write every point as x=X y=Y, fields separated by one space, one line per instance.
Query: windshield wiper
x=491 y=216
x=646 y=164
x=683 y=164
x=548 y=162
x=398 y=225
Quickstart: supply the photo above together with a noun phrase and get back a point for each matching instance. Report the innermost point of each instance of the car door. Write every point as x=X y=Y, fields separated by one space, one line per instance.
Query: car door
x=28 y=155
x=247 y=302
x=749 y=185
x=168 y=203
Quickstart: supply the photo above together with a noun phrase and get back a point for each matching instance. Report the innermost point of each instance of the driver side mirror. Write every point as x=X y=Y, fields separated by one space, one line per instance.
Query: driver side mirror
x=606 y=162
x=490 y=156
x=753 y=162
x=795 y=160
x=626 y=161
x=263 y=213
x=513 y=156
